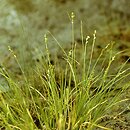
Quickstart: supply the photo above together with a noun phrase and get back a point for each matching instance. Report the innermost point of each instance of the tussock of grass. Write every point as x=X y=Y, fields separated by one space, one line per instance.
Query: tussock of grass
x=79 y=97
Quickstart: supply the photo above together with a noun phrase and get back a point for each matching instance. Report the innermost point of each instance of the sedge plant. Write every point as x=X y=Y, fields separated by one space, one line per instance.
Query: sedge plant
x=78 y=97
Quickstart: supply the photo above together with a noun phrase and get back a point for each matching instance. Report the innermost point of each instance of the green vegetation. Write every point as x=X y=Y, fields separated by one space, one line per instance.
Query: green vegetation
x=82 y=95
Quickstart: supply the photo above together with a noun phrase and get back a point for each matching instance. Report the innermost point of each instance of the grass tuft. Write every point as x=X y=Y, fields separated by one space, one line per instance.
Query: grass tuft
x=80 y=96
